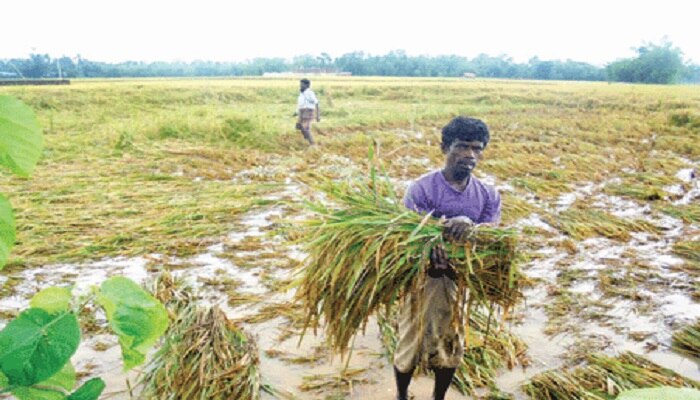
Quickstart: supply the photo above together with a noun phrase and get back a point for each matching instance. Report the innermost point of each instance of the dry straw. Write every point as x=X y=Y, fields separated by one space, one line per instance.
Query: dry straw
x=366 y=250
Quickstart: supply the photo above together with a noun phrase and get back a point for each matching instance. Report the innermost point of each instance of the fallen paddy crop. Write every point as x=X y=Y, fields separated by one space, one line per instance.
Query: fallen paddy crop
x=581 y=222
x=204 y=356
x=687 y=340
x=170 y=167
x=603 y=378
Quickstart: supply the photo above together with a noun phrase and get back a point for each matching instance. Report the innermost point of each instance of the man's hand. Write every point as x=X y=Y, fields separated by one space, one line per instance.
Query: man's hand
x=295 y=114
x=458 y=229
x=440 y=263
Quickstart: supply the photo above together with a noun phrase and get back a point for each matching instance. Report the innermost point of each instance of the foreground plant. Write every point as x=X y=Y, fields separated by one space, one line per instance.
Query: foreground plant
x=36 y=347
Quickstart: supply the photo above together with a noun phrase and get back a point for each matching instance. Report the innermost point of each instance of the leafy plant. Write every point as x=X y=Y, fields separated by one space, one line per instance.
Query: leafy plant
x=36 y=347
x=21 y=143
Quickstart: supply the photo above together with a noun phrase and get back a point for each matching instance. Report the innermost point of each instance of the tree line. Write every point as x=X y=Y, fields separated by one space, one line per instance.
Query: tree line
x=654 y=63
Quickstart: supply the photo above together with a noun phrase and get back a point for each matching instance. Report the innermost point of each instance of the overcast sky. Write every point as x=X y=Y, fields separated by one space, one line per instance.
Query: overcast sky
x=595 y=31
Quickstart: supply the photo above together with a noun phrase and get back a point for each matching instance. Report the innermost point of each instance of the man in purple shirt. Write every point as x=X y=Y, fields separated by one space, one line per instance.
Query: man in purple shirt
x=455 y=194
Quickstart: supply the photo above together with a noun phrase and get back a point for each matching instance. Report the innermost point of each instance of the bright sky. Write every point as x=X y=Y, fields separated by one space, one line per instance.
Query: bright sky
x=595 y=31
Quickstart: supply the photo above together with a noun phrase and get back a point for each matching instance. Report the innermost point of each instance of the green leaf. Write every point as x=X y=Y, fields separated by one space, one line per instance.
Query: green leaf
x=7 y=230
x=36 y=345
x=660 y=393
x=90 y=390
x=21 y=140
x=134 y=315
x=30 y=393
x=52 y=300
x=65 y=378
x=3 y=381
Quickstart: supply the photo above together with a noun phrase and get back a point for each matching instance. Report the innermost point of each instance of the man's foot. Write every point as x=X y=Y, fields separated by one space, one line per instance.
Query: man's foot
x=403 y=379
x=443 y=379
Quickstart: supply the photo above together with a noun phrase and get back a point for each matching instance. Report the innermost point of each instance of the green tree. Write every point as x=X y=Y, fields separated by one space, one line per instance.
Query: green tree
x=662 y=63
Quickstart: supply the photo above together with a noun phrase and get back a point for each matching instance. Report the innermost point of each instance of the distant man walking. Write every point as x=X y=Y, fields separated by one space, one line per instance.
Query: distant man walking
x=307 y=103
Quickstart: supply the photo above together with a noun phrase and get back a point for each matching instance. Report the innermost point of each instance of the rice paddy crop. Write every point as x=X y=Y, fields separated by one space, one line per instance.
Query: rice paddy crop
x=172 y=166
x=368 y=250
x=687 y=340
x=204 y=356
x=603 y=378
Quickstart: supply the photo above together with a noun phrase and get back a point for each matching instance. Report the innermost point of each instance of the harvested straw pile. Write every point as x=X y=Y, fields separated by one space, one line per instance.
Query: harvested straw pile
x=489 y=348
x=603 y=378
x=687 y=340
x=204 y=356
x=368 y=250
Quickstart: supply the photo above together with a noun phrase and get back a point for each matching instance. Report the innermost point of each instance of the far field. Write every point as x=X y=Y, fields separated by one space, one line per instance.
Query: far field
x=206 y=178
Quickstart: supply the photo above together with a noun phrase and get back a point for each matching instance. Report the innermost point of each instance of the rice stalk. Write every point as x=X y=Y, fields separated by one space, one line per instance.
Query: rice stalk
x=204 y=356
x=369 y=250
x=603 y=378
x=687 y=340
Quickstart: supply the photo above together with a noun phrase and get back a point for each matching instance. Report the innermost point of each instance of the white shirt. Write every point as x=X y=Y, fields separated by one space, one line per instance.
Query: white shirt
x=307 y=99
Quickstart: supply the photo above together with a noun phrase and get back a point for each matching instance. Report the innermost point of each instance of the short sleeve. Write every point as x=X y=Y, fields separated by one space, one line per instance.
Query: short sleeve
x=416 y=199
x=312 y=97
x=492 y=209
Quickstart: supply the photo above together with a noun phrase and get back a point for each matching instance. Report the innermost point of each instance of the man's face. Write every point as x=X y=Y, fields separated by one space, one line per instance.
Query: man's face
x=462 y=156
x=303 y=86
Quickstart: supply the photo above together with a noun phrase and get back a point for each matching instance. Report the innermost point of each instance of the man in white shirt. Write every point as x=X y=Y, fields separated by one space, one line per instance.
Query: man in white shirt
x=306 y=104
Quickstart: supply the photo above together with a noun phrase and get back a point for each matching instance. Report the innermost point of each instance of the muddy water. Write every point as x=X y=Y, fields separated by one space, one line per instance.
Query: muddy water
x=666 y=303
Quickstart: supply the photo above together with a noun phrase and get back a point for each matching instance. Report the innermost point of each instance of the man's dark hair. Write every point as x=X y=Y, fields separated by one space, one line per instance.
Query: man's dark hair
x=305 y=81
x=465 y=128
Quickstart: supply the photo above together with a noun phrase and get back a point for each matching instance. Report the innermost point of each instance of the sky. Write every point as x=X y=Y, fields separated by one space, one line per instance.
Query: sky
x=593 y=31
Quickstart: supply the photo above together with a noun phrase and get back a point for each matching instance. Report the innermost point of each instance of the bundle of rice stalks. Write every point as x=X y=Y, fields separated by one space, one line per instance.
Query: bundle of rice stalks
x=368 y=250
x=687 y=340
x=204 y=356
x=489 y=348
x=604 y=378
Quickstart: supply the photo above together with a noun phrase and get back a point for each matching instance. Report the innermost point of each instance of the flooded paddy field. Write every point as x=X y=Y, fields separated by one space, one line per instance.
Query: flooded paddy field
x=207 y=179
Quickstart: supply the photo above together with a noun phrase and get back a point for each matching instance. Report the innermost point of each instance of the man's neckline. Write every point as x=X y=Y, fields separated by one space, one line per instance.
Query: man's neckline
x=444 y=179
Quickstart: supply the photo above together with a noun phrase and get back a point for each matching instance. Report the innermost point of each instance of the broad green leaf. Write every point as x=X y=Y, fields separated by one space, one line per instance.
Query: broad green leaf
x=30 y=393
x=7 y=230
x=52 y=300
x=90 y=390
x=65 y=378
x=21 y=140
x=3 y=381
x=36 y=345
x=660 y=393
x=134 y=315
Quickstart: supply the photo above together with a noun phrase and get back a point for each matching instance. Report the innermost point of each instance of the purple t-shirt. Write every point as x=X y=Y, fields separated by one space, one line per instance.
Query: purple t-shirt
x=431 y=192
